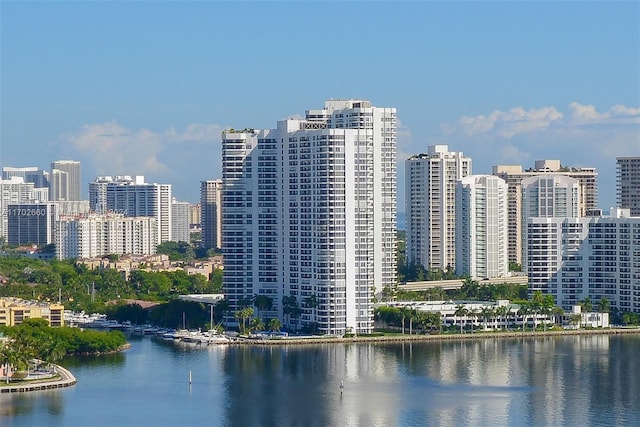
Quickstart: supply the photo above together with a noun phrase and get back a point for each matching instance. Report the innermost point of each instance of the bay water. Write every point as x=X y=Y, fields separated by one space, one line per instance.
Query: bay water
x=538 y=381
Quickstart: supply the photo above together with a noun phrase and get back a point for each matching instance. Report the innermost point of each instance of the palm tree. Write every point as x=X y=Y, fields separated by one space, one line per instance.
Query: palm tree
x=312 y=303
x=486 y=313
x=262 y=303
x=275 y=325
x=524 y=311
x=244 y=314
x=603 y=307
x=461 y=312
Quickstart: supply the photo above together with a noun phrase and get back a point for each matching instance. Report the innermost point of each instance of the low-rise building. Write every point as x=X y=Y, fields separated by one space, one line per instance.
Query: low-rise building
x=14 y=311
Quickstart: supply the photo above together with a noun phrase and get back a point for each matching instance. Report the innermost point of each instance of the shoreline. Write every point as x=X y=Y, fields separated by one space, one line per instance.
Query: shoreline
x=66 y=380
x=439 y=337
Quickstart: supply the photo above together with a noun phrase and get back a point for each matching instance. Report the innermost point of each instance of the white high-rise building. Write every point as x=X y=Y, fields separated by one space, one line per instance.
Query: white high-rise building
x=211 y=213
x=514 y=174
x=430 y=206
x=94 y=235
x=481 y=227
x=180 y=221
x=628 y=183
x=309 y=215
x=12 y=191
x=131 y=196
x=98 y=193
x=65 y=180
x=573 y=258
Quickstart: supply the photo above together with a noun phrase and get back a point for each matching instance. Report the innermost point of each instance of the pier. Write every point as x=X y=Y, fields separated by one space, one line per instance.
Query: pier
x=66 y=380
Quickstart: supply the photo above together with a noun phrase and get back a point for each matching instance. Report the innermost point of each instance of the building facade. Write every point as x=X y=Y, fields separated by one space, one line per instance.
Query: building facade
x=13 y=190
x=579 y=257
x=481 y=227
x=309 y=215
x=180 y=231
x=31 y=223
x=65 y=179
x=133 y=197
x=14 y=311
x=628 y=184
x=39 y=177
x=430 y=198
x=211 y=214
x=95 y=235
x=514 y=174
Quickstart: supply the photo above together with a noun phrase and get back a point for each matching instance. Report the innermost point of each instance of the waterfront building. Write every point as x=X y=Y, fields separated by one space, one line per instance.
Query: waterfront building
x=33 y=174
x=180 y=221
x=430 y=198
x=133 y=197
x=65 y=180
x=309 y=216
x=514 y=174
x=481 y=227
x=211 y=213
x=95 y=235
x=573 y=258
x=628 y=184
x=13 y=311
x=31 y=223
x=12 y=190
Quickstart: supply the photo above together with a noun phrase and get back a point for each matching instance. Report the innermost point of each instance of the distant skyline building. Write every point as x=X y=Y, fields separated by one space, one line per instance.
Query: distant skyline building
x=65 y=180
x=180 y=221
x=98 y=193
x=31 y=223
x=430 y=198
x=309 y=215
x=481 y=227
x=211 y=214
x=628 y=184
x=572 y=258
x=94 y=235
x=133 y=197
x=12 y=191
x=514 y=174
x=39 y=177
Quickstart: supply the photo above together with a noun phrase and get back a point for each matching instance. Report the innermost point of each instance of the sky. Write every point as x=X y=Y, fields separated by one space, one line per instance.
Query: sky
x=146 y=87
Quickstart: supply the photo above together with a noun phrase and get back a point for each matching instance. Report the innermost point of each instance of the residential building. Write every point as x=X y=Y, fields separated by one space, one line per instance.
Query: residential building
x=98 y=193
x=514 y=174
x=573 y=258
x=628 y=184
x=133 y=197
x=430 y=198
x=180 y=221
x=33 y=174
x=14 y=311
x=211 y=214
x=309 y=215
x=31 y=222
x=481 y=227
x=65 y=180
x=12 y=190
x=93 y=235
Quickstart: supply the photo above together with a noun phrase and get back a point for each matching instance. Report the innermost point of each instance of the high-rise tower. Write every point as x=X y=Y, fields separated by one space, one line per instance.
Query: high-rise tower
x=211 y=213
x=628 y=184
x=64 y=180
x=430 y=198
x=310 y=215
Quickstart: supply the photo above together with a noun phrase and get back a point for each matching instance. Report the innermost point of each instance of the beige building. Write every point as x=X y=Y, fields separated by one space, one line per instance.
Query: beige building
x=514 y=174
x=14 y=311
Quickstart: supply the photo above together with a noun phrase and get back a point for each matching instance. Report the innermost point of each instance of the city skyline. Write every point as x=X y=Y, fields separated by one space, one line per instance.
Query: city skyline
x=134 y=88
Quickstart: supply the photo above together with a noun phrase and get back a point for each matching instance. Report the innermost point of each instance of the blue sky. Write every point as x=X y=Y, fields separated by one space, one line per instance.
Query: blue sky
x=145 y=88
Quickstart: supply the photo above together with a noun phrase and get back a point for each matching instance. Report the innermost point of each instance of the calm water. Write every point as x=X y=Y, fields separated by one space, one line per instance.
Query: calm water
x=570 y=381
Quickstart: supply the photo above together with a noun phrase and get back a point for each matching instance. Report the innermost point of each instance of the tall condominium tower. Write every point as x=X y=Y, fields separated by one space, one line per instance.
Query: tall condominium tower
x=481 y=227
x=12 y=191
x=430 y=209
x=546 y=199
x=514 y=174
x=64 y=180
x=211 y=213
x=131 y=196
x=309 y=215
x=98 y=193
x=180 y=221
x=628 y=184
x=579 y=257
x=39 y=177
x=32 y=223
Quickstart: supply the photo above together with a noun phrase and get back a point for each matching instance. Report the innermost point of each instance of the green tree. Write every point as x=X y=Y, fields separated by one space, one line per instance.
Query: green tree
x=603 y=307
x=461 y=313
x=275 y=325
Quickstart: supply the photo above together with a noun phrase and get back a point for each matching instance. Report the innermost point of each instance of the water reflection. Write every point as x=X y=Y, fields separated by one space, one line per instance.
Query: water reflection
x=581 y=380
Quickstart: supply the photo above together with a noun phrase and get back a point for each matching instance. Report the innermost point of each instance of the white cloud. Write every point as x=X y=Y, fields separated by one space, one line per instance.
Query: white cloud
x=506 y=124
